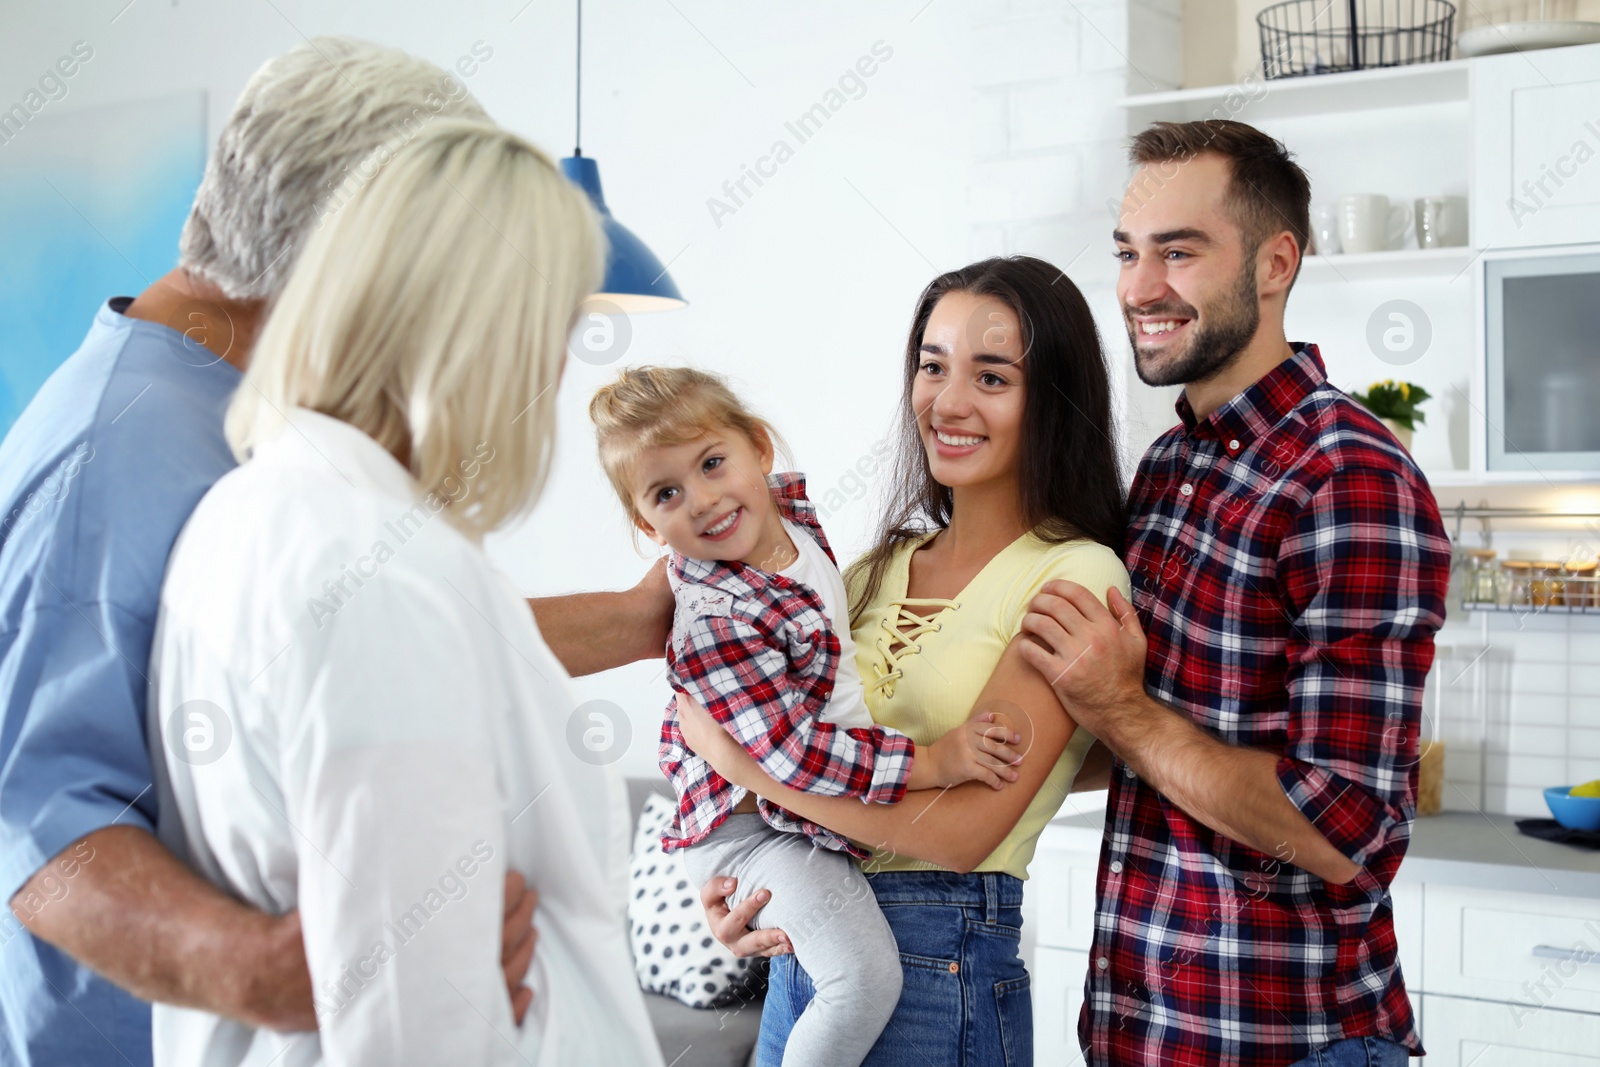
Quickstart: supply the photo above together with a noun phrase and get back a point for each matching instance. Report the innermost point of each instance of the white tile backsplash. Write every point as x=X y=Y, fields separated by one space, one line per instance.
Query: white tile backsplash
x=1517 y=699
x=1586 y=678
x=1527 y=679
x=1580 y=771
x=1519 y=770
x=1540 y=740
x=1584 y=744
x=1533 y=708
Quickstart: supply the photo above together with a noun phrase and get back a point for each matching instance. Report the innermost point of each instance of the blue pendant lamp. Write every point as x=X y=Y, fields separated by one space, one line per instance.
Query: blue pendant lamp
x=635 y=279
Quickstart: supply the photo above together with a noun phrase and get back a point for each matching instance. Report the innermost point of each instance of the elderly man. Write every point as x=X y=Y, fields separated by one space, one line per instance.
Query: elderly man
x=104 y=467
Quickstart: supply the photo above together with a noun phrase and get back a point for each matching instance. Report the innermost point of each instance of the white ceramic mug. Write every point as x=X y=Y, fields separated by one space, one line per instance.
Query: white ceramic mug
x=1325 y=229
x=1369 y=223
x=1441 y=221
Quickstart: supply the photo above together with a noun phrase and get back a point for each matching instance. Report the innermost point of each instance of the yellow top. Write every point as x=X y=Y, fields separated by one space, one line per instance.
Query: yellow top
x=925 y=661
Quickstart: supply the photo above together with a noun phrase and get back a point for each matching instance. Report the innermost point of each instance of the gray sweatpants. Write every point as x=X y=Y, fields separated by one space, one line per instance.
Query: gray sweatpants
x=823 y=902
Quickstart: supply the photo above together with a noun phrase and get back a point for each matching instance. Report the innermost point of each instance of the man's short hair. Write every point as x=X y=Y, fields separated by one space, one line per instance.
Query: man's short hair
x=311 y=126
x=1267 y=193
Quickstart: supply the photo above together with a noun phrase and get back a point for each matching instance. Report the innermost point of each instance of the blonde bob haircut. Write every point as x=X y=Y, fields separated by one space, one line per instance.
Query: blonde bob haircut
x=649 y=407
x=432 y=313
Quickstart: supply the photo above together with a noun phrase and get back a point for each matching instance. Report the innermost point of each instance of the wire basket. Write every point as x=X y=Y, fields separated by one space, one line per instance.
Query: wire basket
x=1301 y=37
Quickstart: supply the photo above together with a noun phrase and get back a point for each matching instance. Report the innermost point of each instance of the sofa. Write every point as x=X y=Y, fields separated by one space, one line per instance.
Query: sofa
x=692 y=1037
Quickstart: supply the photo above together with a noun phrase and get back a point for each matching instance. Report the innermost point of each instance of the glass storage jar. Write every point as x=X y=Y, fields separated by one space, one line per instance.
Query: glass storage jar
x=1581 y=581
x=1519 y=583
x=1549 y=578
x=1477 y=585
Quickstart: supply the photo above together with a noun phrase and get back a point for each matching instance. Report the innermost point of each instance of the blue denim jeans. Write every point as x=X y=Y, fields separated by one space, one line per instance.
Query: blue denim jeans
x=1358 y=1052
x=965 y=1001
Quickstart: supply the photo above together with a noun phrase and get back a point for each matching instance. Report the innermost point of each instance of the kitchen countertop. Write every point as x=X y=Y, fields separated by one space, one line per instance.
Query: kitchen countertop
x=1461 y=848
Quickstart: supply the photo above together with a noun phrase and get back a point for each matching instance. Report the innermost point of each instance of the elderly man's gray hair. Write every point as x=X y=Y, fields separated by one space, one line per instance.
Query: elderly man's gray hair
x=310 y=129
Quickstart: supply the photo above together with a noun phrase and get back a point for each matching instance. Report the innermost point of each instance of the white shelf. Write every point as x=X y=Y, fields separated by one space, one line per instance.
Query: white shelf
x=1448 y=263
x=1447 y=480
x=1317 y=94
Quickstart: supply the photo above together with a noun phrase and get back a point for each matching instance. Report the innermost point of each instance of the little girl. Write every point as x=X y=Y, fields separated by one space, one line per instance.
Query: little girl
x=761 y=638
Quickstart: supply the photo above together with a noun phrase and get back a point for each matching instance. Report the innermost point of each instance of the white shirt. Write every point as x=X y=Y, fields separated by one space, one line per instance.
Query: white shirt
x=847 y=705
x=353 y=713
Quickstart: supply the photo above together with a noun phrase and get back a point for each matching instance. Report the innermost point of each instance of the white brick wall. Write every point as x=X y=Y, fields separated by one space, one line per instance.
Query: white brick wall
x=1050 y=144
x=1048 y=138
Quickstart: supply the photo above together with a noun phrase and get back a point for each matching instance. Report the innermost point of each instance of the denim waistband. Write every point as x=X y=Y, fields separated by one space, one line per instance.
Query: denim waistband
x=990 y=890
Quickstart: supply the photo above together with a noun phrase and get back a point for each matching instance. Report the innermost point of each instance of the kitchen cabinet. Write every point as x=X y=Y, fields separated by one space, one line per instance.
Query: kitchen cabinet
x=1472 y=1033
x=1536 y=147
x=1517 y=134
x=1491 y=926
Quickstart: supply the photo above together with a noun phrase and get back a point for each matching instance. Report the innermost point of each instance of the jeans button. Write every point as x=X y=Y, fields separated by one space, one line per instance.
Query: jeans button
x=955 y=967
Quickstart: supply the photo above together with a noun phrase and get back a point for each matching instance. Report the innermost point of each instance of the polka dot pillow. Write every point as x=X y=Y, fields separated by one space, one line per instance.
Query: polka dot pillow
x=673 y=949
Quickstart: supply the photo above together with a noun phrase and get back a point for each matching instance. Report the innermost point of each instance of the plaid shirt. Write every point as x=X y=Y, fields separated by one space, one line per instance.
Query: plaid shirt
x=1289 y=569
x=756 y=649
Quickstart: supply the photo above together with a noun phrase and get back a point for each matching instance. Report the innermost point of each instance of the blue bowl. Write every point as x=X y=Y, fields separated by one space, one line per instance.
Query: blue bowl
x=1575 y=813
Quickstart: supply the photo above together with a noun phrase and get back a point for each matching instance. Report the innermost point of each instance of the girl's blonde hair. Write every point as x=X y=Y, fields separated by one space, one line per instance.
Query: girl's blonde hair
x=650 y=407
x=432 y=313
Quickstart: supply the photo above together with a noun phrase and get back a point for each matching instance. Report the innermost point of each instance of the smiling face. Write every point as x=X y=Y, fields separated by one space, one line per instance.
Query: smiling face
x=708 y=499
x=1187 y=285
x=969 y=390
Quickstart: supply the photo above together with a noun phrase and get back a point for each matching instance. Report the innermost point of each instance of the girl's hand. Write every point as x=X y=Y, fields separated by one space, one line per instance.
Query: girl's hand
x=980 y=750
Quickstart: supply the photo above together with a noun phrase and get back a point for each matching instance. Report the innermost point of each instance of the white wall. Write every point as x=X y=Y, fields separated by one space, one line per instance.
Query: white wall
x=989 y=129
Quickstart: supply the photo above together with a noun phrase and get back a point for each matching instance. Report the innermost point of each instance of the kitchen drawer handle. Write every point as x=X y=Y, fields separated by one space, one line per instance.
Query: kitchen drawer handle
x=1555 y=952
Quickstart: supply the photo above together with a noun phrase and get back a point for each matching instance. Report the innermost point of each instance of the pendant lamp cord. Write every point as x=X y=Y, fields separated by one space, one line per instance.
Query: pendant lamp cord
x=577 y=122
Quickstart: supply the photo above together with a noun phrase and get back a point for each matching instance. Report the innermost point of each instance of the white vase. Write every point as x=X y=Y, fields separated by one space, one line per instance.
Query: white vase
x=1401 y=434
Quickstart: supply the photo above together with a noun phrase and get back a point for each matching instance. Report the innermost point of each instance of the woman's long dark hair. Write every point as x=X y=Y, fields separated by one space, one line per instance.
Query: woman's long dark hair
x=1067 y=468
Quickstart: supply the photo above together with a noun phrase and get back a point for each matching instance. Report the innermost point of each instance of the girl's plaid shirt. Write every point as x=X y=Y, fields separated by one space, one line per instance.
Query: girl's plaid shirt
x=756 y=649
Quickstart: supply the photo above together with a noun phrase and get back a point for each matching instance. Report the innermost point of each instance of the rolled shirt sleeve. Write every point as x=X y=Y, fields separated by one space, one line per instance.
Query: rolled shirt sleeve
x=1363 y=568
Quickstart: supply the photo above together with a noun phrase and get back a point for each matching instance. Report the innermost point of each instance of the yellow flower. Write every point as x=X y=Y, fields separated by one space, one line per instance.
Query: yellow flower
x=1405 y=390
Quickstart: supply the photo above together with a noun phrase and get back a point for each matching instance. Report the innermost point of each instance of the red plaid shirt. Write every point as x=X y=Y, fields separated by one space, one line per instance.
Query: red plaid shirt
x=756 y=649
x=1289 y=568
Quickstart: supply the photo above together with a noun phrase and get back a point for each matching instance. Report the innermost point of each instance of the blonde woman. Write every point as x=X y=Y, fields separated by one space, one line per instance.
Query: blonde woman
x=389 y=726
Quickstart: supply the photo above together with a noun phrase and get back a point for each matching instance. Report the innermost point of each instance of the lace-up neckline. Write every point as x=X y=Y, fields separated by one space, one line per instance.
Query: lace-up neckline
x=897 y=635
x=900 y=627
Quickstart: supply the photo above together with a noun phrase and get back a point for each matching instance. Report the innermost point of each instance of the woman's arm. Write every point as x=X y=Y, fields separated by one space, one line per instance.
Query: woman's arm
x=593 y=632
x=972 y=819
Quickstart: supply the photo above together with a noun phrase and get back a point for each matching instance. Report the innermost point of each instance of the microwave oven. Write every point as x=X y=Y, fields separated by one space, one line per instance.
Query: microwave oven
x=1543 y=349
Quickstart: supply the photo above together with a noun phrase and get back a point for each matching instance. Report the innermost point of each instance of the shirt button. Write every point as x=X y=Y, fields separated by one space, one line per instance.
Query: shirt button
x=1102 y=963
x=1127 y=772
x=1233 y=445
x=1186 y=489
x=1116 y=866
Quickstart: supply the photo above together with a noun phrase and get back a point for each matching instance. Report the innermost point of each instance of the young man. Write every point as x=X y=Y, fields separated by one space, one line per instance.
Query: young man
x=1262 y=694
x=96 y=478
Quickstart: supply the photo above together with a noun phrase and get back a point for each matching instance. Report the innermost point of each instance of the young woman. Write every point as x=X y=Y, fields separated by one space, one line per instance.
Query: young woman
x=1007 y=478
x=387 y=729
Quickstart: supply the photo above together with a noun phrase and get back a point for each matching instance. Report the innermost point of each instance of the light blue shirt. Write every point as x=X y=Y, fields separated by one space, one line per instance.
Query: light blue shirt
x=97 y=477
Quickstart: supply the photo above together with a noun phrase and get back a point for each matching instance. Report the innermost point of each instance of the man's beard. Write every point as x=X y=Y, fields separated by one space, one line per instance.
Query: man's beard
x=1231 y=322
